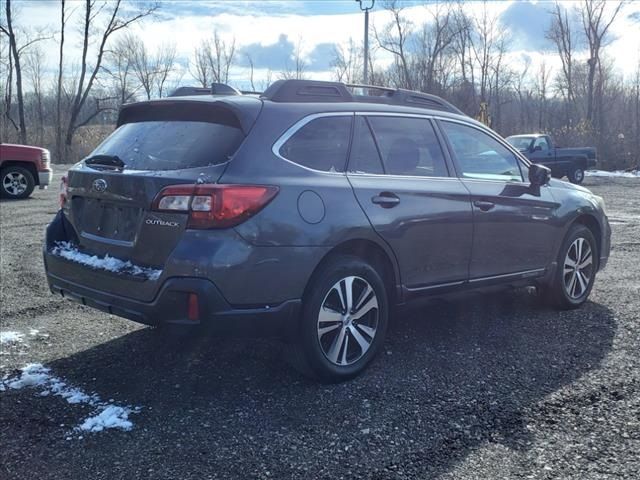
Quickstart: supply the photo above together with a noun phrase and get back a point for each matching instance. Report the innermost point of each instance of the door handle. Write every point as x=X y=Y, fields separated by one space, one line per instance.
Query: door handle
x=484 y=205
x=386 y=199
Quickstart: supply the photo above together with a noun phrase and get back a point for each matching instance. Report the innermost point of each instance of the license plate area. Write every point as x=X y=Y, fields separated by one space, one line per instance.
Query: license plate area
x=99 y=219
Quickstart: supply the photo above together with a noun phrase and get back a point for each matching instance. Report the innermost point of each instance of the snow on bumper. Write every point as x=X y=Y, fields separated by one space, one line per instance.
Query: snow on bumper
x=107 y=263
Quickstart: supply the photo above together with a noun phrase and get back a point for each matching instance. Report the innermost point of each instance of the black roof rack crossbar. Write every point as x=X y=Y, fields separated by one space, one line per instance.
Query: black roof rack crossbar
x=321 y=91
x=306 y=91
x=215 y=89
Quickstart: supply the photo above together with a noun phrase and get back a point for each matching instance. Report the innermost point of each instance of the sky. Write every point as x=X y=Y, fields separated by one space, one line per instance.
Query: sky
x=270 y=30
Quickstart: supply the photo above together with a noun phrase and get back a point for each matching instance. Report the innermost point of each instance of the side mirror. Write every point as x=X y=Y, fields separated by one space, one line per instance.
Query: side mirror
x=539 y=174
x=537 y=148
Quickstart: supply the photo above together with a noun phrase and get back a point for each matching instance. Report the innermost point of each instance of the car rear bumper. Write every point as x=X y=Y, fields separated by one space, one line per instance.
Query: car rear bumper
x=171 y=306
x=44 y=178
x=164 y=299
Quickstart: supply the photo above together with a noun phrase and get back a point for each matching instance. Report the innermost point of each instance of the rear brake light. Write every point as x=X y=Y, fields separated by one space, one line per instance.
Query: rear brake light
x=214 y=206
x=63 y=191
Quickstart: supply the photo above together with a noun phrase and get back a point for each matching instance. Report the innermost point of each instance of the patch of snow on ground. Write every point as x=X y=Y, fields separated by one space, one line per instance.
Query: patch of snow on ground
x=112 y=264
x=11 y=337
x=107 y=415
x=112 y=416
x=618 y=173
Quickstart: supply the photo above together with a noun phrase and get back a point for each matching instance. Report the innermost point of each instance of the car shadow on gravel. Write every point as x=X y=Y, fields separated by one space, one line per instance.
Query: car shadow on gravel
x=454 y=375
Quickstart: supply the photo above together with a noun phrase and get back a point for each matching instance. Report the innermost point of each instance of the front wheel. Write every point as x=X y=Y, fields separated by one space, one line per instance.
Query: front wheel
x=344 y=320
x=576 y=176
x=16 y=182
x=576 y=270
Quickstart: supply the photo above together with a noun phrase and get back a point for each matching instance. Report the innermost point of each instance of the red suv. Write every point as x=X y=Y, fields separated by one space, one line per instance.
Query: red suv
x=22 y=167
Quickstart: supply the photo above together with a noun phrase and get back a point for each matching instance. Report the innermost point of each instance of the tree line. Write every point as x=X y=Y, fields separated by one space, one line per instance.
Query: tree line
x=461 y=56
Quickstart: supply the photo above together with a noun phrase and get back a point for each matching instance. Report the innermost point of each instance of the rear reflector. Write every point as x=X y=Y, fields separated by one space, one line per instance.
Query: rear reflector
x=214 y=206
x=193 y=310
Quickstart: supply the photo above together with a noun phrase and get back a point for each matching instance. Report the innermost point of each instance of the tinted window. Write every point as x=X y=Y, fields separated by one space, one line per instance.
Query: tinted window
x=171 y=145
x=321 y=144
x=521 y=143
x=408 y=146
x=364 y=153
x=480 y=155
x=542 y=143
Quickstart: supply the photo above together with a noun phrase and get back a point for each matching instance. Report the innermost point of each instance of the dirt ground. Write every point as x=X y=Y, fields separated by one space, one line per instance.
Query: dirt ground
x=483 y=387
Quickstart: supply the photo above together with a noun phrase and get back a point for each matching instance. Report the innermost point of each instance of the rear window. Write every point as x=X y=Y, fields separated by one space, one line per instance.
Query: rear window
x=321 y=144
x=171 y=144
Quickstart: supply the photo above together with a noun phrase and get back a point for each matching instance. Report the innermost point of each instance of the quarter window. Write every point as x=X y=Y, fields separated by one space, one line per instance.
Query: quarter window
x=481 y=156
x=321 y=144
x=408 y=146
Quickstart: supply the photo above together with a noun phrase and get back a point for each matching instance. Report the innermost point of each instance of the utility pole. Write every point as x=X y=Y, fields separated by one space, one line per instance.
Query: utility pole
x=366 y=9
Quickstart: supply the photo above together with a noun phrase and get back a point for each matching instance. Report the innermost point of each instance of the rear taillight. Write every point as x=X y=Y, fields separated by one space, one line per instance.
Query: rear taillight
x=62 y=199
x=214 y=206
x=45 y=160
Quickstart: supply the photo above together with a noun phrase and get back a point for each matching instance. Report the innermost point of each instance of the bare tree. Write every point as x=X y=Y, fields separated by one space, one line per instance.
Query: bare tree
x=347 y=62
x=542 y=86
x=7 y=27
x=116 y=20
x=251 y=71
x=434 y=39
x=299 y=67
x=562 y=35
x=118 y=66
x=151 y=69
x=34 y=68
x=63 y=23
x=213 y=60
x=596 y=24
x=393 y=38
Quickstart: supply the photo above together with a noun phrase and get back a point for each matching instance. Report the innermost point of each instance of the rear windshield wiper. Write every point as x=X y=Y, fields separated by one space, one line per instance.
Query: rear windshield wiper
x=105 y=161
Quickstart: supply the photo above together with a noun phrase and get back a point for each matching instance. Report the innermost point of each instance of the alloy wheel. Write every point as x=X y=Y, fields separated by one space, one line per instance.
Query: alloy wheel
x=578 y=268
x=348 y=320
x=14 y=183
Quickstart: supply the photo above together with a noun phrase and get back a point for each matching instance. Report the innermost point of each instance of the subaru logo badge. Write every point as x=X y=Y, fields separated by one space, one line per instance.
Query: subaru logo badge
x=100 y=185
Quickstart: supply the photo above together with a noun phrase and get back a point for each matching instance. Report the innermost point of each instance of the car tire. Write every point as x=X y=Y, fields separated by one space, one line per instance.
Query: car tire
x=16 y=182
x=339 y=333
x=576 y=269
x=576 y=176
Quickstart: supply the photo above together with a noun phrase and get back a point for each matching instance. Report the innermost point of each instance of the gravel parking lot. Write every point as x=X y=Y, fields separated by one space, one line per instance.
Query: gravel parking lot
x=478 y=387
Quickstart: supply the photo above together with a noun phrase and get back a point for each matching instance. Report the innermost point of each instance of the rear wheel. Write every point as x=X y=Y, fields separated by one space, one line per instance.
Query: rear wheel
x=16 y=182
x=344 y=320
x=576 y=270
x=576 y=175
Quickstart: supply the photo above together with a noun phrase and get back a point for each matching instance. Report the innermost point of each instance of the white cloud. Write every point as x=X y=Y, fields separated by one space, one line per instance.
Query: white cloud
x=188 y=23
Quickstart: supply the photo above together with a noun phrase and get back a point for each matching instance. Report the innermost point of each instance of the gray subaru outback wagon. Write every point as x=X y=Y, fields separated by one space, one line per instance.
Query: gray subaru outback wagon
x=312 y=209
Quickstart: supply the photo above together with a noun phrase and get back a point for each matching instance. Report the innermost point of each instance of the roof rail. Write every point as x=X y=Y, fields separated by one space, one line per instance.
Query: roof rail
x=321 y=91
x=216 y=89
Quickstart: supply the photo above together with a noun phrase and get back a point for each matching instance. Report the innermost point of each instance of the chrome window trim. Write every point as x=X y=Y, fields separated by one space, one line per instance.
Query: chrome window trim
x=275 y=149
x=419 y=177
x=293 y=129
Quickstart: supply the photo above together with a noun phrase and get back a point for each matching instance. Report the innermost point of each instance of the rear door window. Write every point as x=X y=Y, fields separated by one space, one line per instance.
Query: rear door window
x=171 y=144
x=322 y=144
x=409 y=146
